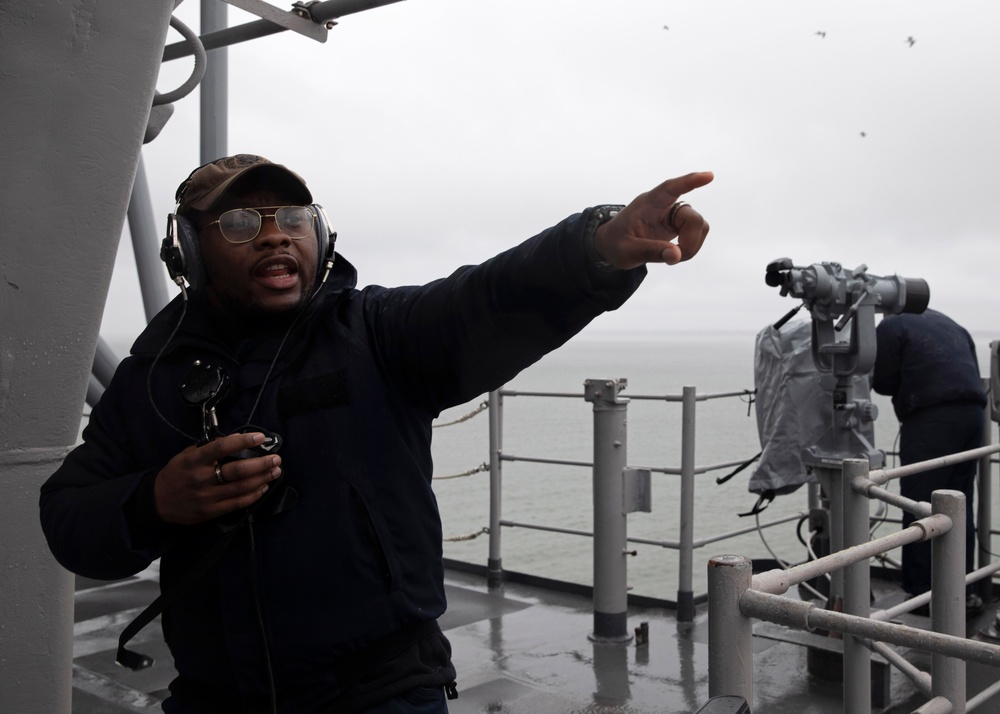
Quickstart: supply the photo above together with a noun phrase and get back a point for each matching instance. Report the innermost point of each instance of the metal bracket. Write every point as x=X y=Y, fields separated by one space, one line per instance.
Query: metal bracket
x=637 y=490
x=297 y=20
x=604 y=392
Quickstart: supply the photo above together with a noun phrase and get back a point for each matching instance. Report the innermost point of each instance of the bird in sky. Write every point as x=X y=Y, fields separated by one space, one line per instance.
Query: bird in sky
x=911 y=40
x=665 y=27
x=821 y=33
x=863 y=135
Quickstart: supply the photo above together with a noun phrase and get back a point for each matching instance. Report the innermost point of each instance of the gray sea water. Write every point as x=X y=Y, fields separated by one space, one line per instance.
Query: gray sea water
x=562 y=428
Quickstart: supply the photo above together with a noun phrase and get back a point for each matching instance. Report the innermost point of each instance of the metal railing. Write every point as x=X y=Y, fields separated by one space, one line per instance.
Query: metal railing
x=736 y=596
x=609 y=480
x=612 y=478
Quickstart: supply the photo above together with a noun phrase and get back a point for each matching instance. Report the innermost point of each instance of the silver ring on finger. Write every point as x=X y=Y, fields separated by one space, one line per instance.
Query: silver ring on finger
x=673 y=211
x=219 y=478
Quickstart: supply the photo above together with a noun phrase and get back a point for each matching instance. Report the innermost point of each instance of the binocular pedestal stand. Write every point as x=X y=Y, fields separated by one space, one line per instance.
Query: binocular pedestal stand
x=843 y=440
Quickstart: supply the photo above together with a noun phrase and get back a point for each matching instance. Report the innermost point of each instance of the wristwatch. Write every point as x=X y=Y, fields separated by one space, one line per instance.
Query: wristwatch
x=599 y=215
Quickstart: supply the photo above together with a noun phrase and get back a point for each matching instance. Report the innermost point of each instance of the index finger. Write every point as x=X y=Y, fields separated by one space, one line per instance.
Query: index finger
x=672 y=189
x=224 y=446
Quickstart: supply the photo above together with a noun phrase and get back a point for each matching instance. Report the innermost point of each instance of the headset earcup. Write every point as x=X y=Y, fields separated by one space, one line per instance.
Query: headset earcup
x=181 y=252
x=325 y=239
x=170 y=251
x=188 y=238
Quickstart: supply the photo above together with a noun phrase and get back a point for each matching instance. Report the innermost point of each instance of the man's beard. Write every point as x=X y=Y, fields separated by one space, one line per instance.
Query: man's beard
x=246 y=312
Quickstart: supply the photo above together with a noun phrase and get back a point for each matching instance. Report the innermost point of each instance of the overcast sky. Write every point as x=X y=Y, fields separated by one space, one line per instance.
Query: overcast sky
x=439 y=132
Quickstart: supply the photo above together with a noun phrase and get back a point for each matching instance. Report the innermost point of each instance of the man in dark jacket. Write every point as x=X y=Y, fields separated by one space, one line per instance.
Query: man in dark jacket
x=269 y=437
x=927 y=363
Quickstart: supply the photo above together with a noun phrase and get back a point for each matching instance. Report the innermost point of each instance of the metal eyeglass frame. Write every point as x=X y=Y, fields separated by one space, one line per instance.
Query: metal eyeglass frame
x=260 y=222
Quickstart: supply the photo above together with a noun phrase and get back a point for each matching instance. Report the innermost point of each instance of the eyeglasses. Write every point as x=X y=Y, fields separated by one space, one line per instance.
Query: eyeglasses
x=241 y=225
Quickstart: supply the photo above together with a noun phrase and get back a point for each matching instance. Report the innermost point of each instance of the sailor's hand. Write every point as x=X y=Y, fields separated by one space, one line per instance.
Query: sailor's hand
x=657 y=227
x=195 y=486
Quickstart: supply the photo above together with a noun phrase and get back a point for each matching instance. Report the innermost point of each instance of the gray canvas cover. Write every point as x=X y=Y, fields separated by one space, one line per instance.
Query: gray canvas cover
x=793 y=402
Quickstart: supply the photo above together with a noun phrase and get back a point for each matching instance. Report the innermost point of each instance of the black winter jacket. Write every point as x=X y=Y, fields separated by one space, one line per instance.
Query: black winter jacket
x=926 y=360
x=352 y=393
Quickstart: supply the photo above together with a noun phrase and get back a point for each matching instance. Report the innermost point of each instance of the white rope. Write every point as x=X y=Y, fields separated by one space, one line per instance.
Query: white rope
x=468 y=536
x=478 y=469
x=481 y=407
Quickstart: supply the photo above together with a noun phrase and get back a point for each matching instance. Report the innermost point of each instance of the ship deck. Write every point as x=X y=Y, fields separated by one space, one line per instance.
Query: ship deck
x=525 y=649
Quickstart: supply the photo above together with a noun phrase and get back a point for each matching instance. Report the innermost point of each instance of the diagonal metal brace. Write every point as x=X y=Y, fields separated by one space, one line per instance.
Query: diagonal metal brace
x=298 y=20
x=307 y=17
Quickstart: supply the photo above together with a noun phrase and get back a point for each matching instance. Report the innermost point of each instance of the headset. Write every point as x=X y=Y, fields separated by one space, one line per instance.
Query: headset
x=181 y=251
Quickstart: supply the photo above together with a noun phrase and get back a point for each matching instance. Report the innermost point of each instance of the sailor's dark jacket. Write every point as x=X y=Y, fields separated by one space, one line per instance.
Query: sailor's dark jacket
x=926 y=360
x=356 y=554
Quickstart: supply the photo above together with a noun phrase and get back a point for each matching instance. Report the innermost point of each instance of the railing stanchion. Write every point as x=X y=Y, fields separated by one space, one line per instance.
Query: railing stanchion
x=857 y=591
x=610 y=534
x=948 y=596
x=730 y=633
x=494 y=566
x=984 y=507
x=685 y=577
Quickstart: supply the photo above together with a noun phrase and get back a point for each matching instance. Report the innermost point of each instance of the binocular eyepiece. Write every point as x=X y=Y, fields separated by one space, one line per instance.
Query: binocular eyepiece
x=832 y=291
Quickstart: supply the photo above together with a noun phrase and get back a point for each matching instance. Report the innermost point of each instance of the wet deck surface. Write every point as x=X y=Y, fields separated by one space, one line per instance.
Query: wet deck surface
x=524 y=650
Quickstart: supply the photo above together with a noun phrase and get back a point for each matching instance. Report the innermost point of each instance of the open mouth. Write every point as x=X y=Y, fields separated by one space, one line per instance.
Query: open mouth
x=278 y=272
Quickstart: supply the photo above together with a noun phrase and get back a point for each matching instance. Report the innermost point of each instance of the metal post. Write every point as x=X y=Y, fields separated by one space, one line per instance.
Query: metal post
x=494 y=566
x=214 y=86
x=685 y=576
x=948 y=596
x=146 y=246
x=77 y=83
x=101 y=372
x=105 y=362
x=984 y=508
x=610 y=535
x=812 y=496
x=730 y=633
x=857 y=589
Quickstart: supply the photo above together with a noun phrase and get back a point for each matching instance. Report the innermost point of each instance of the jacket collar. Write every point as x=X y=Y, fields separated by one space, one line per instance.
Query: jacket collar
x=172 y=327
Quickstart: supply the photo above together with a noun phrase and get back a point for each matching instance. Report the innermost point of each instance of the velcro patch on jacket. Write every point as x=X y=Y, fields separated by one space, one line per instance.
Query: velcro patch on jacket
x=319 y=392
